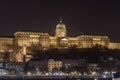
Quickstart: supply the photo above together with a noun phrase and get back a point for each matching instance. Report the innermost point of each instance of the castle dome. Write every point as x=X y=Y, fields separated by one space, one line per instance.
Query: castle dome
x=61 y=25
x=60 y=29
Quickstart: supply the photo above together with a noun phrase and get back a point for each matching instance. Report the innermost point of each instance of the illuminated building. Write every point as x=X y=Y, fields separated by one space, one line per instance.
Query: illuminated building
x=60 y=30
x=59 y=40
x=4 y=42
x=32 y=38
x=52 y=64
x=27 y=38
x=113 y=45
x=44 y=40
x=88 y=41
x=55 y=65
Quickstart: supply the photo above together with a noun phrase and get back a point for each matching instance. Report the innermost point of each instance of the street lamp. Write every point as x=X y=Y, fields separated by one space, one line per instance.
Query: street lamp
x=24 y=58
x=24 y=53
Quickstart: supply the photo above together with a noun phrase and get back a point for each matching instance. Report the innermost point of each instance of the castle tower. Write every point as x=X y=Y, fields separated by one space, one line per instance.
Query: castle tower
x=60 y=29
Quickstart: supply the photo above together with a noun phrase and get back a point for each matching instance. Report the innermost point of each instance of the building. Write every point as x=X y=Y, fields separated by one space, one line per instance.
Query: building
x=11 y=68
x=88 y=41
x=59 y=40
x=38 y=65
x=54 y=64
x=4 y=42
x=113 y=45
x=27 y=38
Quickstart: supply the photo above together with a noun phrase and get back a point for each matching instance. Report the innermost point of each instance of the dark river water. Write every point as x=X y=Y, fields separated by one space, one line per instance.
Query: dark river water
x=55 y=78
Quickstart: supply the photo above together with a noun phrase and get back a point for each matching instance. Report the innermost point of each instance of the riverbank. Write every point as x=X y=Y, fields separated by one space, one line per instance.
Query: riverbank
x=53 y=78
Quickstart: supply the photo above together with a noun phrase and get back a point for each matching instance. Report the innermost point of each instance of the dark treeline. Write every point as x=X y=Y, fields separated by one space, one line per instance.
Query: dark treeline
x=90 y=54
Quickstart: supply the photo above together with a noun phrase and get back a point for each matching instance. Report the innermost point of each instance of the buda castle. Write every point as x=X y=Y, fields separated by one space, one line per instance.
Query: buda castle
x=59 y=40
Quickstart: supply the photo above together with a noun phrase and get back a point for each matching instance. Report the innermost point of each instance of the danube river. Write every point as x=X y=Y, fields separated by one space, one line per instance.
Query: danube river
x=51 y=78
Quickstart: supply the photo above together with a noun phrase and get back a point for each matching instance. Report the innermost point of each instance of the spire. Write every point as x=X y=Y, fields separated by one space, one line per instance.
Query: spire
x=60 y=19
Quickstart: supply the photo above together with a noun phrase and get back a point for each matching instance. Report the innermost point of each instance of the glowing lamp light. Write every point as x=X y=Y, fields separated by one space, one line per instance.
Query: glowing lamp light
x=24 y=50
x=104 y=76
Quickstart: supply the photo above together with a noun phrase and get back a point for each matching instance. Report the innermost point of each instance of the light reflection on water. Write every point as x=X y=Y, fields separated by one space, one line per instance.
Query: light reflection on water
x=53 y=79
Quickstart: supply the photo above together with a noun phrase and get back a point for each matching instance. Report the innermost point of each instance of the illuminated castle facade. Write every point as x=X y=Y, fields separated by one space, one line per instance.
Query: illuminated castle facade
x=59 y=40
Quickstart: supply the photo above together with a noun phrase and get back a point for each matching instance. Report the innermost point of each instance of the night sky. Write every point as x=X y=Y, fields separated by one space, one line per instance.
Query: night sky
x=98 y=17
